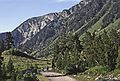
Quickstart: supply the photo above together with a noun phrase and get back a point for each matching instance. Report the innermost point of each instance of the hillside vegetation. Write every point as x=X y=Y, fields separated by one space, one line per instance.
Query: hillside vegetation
x=83 y=41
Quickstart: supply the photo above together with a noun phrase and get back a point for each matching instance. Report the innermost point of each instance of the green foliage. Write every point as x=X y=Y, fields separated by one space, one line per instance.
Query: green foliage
x=67 y=53
x=29 y=77
x=97 y=70
x=20 y=64
x=118 y=59
x=9 y=43
x=101 y=49
x=15 y=62
x=1 y=59
x=14 y=76
x=4 y=45
x=9 y=52
x=83 y=77
x=10 y=67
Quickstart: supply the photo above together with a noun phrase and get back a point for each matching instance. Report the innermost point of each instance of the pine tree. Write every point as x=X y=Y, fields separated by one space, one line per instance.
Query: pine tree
x=101 y=49
x=14 y=76
x=88 y=49
x=1 y=58
x=4 y=70
x=9 y=43
x=10 y=66
x=114 y=44
x=67 y=53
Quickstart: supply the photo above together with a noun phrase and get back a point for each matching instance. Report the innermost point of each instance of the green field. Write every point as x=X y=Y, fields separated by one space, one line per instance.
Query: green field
x=22 y=62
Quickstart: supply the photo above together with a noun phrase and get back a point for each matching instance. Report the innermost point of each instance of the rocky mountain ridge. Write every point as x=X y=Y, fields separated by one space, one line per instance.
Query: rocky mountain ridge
x=38 y=33
x=32 y=26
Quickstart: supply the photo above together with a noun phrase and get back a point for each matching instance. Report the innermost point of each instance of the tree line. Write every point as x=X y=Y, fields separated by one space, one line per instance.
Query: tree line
x=8 y=71
x=94 y=49
x=5 y=44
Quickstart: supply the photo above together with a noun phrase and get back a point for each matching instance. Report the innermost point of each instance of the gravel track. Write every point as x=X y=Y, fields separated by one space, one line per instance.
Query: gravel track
x=52 y=76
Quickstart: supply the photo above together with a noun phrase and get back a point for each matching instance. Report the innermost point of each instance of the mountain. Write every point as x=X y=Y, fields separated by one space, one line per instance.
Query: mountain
x=38 y=33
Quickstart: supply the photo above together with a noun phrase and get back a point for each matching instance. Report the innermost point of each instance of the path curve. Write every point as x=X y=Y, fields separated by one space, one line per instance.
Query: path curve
x=52 y=76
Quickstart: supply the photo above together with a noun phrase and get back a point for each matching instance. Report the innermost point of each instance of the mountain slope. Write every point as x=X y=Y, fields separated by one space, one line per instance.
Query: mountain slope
x=39 y=33
x=73 y=19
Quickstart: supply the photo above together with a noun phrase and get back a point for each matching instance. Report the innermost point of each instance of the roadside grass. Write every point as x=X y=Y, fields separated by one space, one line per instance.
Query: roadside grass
x=42 y=78
x=97 y=72
x=83 y=77
x=92 y=73
x=21 y=63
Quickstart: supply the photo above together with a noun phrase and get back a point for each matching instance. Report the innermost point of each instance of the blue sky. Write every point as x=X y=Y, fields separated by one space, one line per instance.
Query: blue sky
x=14 y=12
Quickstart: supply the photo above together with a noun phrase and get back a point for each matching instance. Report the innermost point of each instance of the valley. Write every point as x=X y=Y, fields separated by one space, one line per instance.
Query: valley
x=81 y=43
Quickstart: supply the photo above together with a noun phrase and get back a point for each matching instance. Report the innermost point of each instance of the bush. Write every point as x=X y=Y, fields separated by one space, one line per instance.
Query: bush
x=29 y=77
x=97 y=70
x=74 y=69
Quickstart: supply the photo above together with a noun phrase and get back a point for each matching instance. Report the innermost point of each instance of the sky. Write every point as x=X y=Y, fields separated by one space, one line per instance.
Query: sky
x=14 y=12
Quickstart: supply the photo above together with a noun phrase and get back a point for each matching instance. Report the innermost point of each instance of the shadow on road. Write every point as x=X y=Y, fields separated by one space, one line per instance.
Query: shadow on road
x=54 y=75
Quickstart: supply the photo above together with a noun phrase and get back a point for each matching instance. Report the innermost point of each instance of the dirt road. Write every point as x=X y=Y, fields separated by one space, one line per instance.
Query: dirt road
x=57 y=77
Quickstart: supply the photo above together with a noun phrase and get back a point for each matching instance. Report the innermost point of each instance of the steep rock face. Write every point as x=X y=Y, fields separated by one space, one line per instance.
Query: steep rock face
x=68 y=20
x=31 y=27
x=37 y=31
x=44 y=25
x=114 y=13
x=50 y=30
x=85 y=14
x=2 y=36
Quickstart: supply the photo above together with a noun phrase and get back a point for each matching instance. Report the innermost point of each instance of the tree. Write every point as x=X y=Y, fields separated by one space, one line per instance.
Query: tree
x=9 y=43
x=67 y=53
x=2 y=46
x=113 y=50
x=1 y=58
x=10 y=66
x=4 y=71
x=101 y=49
x=89 y=49
x=14 y=76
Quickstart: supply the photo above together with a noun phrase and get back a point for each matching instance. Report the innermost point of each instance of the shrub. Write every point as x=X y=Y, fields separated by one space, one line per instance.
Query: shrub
x=97 y=70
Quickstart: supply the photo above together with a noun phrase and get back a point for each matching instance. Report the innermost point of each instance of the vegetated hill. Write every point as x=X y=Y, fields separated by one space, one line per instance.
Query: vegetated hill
x=39 y=33
x=14 y=52
x=21 y=62
x=74 y=18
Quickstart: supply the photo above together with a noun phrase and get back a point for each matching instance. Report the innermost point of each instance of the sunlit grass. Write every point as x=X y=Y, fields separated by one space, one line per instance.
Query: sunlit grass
x=42 y=78
x=21 y=63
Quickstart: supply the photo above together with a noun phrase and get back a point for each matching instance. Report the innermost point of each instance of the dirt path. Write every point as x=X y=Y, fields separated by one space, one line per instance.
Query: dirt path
x=57 y=77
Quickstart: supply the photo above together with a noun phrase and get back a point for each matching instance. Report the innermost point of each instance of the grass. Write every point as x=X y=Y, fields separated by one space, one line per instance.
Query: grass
x=83 y=77
x=96 y=26
x=92 y=73
x=97 y=70
x=115 y=73
x=42 y=78
x=114 y=25
x=21 y=63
